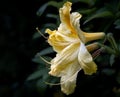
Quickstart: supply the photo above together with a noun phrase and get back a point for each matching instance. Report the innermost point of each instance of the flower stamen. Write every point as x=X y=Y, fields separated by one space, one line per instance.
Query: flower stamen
x=41 y=33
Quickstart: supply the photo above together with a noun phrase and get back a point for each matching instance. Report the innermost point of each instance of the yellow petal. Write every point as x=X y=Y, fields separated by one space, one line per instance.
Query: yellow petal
x=56 y=41
x=84 y=54
x=68 y=80
x=70 y=21
x=93 y=36
x=68 y=87
x=86 y=61
x=89 y=68
x=75 y=21
x=64 y=59
x=65 y=14
x=59 y=41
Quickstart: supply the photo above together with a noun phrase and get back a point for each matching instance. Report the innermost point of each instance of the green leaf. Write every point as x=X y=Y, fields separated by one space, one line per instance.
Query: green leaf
x=41 y=86
x=89 y=2
x=117 y=23
x=37 y=59
x=36 y=35
x=52 y=16
x=112 y=59
x=41 y=59
x=108 y=72
x=50 y=3
x=37 y=74
x=118 y=78
x=87 y=11
x=50 y=26
x=39 y=33
x=46 y=51
x=102 y=13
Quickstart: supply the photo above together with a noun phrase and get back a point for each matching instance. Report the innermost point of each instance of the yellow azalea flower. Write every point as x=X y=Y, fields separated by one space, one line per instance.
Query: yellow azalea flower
x=72 y=54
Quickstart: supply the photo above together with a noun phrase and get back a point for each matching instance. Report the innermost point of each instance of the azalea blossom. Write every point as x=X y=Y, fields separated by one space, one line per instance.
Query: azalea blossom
x=73 y=55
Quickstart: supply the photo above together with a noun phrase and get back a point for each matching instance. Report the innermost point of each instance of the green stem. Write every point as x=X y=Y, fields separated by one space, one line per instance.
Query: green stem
x=108 y=49
x=113 y=43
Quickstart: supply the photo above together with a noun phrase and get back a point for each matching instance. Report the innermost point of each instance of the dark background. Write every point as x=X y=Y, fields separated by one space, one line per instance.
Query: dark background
x=18 y=21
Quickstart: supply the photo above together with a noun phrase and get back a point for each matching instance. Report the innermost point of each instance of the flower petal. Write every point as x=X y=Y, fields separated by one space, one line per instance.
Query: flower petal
x=86 y=61
x=56 y=41
x=69 y=79
x=65 y=14
x=64 y=59
x=93 y=36
x=59 y=41
x=71 y=21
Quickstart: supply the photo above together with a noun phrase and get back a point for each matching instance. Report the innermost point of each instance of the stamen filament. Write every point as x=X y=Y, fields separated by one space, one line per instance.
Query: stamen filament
x=41 y=33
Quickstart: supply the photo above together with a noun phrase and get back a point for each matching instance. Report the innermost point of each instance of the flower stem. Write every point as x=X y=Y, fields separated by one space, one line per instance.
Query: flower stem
x=113 y=43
